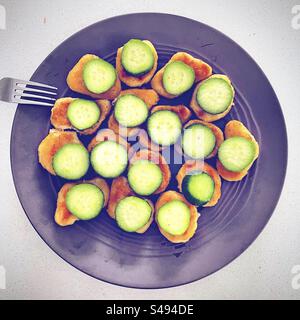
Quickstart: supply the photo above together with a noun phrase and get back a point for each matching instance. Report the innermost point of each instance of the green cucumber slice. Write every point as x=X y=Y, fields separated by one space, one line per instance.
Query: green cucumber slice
x=236 y=153
x=71 y=161
x=99 y=76
x=164 y=127
x=174 y=217
x=130 y=111
x=178 y=77
x=198 y=188
x=85 y=201
x=144 y=177
x=83 y=114
x=215 y=95
x=109 y=159
x=133 y=213
x=198 y=141
x=137 y=57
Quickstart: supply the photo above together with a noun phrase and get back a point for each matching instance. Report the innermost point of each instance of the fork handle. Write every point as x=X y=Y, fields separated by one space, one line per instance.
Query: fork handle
x=3 y=87
x=2 y=83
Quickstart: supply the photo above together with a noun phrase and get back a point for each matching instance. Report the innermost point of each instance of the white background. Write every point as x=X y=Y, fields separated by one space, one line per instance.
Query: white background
x=263 y=28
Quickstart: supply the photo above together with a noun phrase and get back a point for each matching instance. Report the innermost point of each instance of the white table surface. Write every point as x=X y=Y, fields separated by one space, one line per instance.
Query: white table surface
x=263 y=28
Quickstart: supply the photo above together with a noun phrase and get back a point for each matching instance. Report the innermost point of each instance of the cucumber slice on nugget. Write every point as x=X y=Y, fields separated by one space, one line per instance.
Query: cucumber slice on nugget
x=144 y=177
x=236 y=153
x=174 y=217
x=178 y=77
x=133 y=213
x=198 y=188
x=200 y=183
x=137 y=57
x=215 y=95
x=71 y=161
x=198 y=141
x=164 y=127
x=83 y=114
x=130 y=110
x=109 y=159
x=99 y=76
x=85 y=201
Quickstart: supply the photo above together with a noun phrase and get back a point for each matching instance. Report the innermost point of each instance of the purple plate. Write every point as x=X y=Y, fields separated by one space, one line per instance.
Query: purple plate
x=98 y=247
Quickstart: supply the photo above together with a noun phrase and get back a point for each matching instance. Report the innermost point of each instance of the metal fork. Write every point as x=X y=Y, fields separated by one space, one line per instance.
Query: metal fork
x=27 y=92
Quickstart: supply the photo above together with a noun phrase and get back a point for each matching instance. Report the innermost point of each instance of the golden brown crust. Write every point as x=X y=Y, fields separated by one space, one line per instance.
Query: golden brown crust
x=196 y=165
x=55 y=140
x=216 y=131
x=202 y=71
x=146 y=226
x=170 y=196
x=107 y=135
x=120 y=189
x=158 y=159
x=134 y=81
x=236 y=128
x=63 y=216
x=114 y=125
x=149 y=96
x=182 y=111
x=76 y=83
x=60 y=121
x=59 y=111
x=143 y=143
x=200 y=113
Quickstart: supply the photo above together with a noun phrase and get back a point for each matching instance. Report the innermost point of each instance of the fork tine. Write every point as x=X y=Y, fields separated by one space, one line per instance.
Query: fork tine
x=36 y=84
x=33 y=96
x=30 y=102
x=34 y=90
